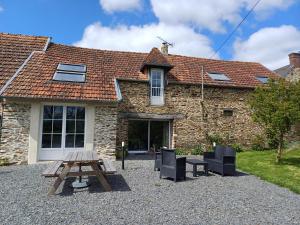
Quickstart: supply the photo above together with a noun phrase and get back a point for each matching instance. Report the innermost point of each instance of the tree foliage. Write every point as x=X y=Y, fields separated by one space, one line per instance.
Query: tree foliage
x=276 y=106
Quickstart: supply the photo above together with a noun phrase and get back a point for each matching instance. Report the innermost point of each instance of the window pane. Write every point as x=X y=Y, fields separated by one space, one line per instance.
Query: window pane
x=48 y=112
x=79 y=126
x=79 y=143
x=47 y=126
x=56 y=141
x=70 y=140
x=58 y=112
x=71 y=112
x=264 y=80
x=70 y=126
x=65 y=76
x=72 y=67
x=80 y=113
x=57 y=126
x=218 y=76
x=46 y=141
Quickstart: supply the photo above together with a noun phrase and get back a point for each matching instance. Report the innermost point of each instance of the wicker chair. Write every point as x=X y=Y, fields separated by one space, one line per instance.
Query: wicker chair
x=171 y=166
x=222 y=160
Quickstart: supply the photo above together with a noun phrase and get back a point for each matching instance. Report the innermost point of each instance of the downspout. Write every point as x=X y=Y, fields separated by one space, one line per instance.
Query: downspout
x=1 y=122
x=202 y=83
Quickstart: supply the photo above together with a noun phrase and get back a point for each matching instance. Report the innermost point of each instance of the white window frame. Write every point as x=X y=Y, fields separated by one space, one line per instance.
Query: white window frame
x=157 y=100
x=63 y=149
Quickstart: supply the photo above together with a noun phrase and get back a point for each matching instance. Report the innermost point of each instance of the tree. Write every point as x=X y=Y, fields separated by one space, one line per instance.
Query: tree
x=276 y=106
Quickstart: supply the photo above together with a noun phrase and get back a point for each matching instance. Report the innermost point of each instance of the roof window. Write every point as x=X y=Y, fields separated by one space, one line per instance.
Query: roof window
x=70 y=72
x=218 y=76
x=262 y=79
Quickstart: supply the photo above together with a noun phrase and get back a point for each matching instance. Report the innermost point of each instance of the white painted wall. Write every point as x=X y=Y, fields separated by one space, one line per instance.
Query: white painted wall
x=35 y=129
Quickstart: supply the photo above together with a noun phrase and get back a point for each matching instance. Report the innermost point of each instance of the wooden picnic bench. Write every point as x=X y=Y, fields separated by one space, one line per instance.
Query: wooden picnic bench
x=107 y=166
x=74 y=159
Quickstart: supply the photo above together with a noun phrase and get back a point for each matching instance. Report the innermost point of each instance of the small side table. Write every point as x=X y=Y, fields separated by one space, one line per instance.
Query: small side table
x=195 y=163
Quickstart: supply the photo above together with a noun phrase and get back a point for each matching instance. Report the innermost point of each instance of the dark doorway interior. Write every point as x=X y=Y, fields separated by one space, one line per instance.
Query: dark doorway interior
x=138 y=135
x=144 y=135
x=159 y=134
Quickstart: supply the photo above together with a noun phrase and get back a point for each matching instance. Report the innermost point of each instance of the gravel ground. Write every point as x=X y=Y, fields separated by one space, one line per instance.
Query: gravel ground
x=140 y=197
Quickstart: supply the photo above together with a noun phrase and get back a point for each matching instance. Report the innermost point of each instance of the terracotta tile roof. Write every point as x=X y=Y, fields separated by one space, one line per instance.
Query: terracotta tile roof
x=156 y=58
x=14 y=50
x=103 y=67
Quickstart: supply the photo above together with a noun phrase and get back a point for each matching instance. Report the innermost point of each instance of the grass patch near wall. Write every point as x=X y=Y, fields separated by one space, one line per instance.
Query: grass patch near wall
x=262 y=164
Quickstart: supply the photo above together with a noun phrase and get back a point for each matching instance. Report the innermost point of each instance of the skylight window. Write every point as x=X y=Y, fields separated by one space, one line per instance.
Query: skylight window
x=218 y=76
x=70 y=72
x=263 y=80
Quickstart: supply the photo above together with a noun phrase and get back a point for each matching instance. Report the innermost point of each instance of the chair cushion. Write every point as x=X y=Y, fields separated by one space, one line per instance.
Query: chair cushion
x=213 y=161
x=229 y=152
x=219 y=152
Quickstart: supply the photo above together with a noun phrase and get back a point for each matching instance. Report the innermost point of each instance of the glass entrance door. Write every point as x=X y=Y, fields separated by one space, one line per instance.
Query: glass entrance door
x=145 y=135
x=138 y=135
x=159 y=134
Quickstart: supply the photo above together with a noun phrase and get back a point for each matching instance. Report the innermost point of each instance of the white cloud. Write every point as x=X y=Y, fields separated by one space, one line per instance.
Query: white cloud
x=270 y=46
x=269 y=4
x=144 y=38
x=211 y=14
x=1 y=8
x=119 y=5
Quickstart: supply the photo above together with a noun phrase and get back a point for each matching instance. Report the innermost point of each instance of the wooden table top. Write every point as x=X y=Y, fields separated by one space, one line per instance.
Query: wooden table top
x=81 y=156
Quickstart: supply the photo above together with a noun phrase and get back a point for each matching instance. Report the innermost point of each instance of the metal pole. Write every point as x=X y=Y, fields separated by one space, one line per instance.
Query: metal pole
x=123 y=155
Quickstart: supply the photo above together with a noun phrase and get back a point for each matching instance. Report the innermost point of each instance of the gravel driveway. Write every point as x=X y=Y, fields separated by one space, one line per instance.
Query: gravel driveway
x=140 y=197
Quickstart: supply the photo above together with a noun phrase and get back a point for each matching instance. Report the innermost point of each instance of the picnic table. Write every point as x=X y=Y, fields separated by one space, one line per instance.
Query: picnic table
x=76 y=159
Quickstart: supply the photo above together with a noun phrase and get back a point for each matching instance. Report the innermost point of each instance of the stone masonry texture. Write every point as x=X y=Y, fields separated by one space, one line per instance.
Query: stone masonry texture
x=15 y=132
x=200 y=118
x=105 y=131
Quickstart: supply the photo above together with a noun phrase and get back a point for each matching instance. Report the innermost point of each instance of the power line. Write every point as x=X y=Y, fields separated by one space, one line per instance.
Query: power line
x=235 y=29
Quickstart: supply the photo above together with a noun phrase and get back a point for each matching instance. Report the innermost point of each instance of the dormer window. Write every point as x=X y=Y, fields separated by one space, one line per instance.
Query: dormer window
x=157 y=86
x=218 y=76
x=70 y=72
x=262 y=79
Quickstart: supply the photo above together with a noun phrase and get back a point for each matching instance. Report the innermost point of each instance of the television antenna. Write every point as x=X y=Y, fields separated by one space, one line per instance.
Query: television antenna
x=166 y=42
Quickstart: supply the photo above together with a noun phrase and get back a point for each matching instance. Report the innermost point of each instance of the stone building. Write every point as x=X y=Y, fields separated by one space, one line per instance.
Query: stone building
x=292 y=71
x=62 y=98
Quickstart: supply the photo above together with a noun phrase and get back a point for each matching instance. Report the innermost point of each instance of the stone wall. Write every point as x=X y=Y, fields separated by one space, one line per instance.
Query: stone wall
x=294 y=76
x=15 y=132
x=199 y=118
x=105 y=131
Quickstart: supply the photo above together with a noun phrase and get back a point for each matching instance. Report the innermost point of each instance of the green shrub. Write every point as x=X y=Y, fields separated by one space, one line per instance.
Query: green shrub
x=211 y=138
x=273 y=140
x=258 y=143
x=237 y=147
x=181 y=151
x=197 y=150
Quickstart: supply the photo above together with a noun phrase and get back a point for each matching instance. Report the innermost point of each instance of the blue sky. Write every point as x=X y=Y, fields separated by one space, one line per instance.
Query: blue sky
x=197 y=27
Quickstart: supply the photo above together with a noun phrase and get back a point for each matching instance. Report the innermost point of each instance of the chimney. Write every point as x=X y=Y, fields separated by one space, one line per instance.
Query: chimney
x=164 y=48
x=295 y=59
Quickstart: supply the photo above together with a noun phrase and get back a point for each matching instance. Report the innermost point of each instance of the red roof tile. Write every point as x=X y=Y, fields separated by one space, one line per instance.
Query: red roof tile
x=35 y=80
x=14 y=50
x=156 y=58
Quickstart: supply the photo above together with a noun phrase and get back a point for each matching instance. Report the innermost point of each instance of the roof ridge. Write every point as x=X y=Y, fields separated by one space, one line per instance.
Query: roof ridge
x=97 y=49
x=218 y=60
x=146 y=53
x=23 y=35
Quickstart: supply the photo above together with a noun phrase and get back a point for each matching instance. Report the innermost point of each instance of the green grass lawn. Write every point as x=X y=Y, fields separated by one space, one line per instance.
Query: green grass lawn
x=262 y=164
